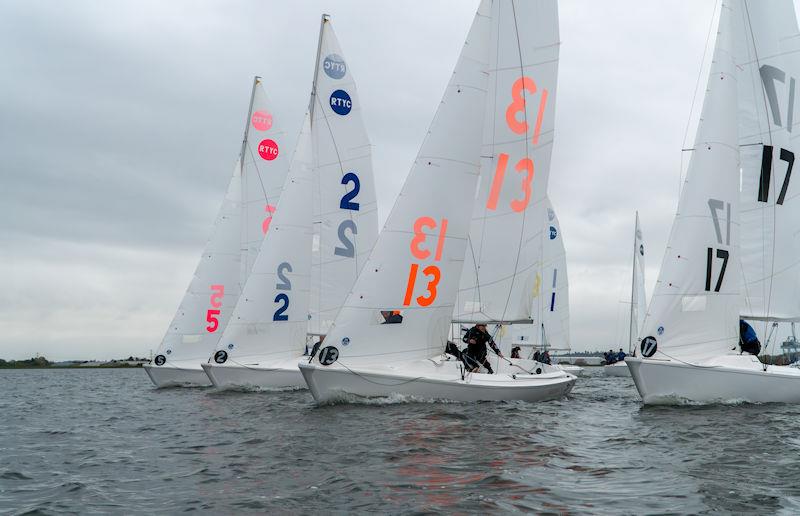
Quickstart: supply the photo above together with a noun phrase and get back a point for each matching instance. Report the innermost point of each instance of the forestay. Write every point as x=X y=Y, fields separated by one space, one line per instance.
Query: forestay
x=240 y=225
x=695 y=307
x=506 y=240
x=417 y=260
x=345 y=207
x=271 y=317
x=767 y=52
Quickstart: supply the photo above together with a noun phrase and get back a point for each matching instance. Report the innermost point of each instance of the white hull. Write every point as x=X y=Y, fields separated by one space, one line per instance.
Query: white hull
x=571 y=369
x=277 y=374
x=730 y=378
x=169 y=375
x=436 y=378
x=617 y=369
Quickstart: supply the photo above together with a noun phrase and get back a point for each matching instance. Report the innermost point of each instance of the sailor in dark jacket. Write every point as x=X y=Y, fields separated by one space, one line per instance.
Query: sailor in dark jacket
x=748 y=340
x=475 y=355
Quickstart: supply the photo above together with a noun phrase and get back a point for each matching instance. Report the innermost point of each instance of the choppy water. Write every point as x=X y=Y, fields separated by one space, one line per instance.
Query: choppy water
x=98 y=441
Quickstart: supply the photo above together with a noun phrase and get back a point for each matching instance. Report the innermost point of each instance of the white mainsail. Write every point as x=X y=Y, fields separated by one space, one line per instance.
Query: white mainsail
x=226 y=261
x=638 y=295
x=416 y=262
x=695 y=307
x=767 y=53
x=345 y=205
x=505 y=251
x=271 y=317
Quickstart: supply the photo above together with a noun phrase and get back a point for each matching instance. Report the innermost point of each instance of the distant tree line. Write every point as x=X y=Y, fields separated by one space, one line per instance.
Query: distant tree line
x=20 y=364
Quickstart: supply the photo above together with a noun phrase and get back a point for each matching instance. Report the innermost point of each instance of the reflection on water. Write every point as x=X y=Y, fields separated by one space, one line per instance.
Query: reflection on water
x=106 y=441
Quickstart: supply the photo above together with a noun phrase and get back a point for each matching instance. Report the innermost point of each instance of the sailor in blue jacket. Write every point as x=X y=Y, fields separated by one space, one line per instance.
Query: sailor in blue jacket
x=748 y=340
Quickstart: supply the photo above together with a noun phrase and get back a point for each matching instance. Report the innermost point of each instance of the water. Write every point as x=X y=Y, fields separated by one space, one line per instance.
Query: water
x=99 y=441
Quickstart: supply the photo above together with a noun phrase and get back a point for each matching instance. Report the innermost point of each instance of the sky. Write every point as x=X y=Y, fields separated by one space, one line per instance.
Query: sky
x=120 y=123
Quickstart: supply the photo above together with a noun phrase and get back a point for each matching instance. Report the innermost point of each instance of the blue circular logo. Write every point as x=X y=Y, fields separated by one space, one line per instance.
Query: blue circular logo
x=553 y=232
x=169 y=352
x=345 y=341
x=340 y=102
x=660 y=330
x=334 y=66
x=230 y=346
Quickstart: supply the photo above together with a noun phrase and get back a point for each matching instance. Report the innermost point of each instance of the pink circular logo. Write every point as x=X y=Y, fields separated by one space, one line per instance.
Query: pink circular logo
x=268 y=149
x=262 y=120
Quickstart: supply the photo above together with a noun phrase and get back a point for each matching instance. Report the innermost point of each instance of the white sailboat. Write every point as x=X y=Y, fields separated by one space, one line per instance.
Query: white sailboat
x=324 y=228
x=417 y=260
x=691 y=347
x=240 y=226
x=638 y=303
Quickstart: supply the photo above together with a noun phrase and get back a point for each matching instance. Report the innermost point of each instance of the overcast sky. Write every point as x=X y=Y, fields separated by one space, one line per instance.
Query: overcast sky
x=120 y=122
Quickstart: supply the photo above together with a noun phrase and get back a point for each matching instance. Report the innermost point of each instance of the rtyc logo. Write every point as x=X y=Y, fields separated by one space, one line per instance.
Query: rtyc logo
x=334 y=66
x=340 y=102
x=268 y=149
x=553 y=232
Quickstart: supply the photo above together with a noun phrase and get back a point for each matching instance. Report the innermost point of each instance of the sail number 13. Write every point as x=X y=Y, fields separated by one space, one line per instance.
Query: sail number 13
x=421 y=252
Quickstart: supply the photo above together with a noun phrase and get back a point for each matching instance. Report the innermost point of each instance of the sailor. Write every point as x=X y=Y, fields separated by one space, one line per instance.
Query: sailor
x=452 y=349
x=611 y=357
x=546 y=357
x=316 y=346
x=537 y=356
x=748 y=340
x=621 y=355
x=391 y=317
x=515 y=352
x=475 y=355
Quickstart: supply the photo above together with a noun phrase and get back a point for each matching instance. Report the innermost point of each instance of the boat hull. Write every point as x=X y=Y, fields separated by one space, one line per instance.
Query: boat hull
x=267 y=375
x=438 y=379
x=617 y=369
x=728 y=379
x=572 y=369
x=169 y=375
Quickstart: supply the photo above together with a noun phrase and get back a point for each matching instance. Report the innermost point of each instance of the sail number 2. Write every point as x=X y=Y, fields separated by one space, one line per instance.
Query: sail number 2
x=218 y=292
x=423 y=253
x=513 y=111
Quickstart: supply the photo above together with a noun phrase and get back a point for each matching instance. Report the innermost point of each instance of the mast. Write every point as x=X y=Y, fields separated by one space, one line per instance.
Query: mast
x=312 y=101
x=256 y=80
x=631 y=335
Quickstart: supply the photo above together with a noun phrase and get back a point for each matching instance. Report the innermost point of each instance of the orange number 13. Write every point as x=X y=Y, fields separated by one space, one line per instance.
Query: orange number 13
x=431 y=271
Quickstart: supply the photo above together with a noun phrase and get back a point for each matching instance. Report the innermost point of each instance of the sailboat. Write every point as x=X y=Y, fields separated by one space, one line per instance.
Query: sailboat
x=549 y=297
x=638 y=307
x=325 y=225
x=228 y=257
x=390 y=335
x=732 y=250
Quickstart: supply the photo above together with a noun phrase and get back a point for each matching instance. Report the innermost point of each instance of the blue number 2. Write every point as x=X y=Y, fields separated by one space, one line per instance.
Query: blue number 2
x=346 y=202
x=279 y=315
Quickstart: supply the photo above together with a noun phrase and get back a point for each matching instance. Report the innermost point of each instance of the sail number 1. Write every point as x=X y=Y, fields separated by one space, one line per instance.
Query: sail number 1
x=423 y=253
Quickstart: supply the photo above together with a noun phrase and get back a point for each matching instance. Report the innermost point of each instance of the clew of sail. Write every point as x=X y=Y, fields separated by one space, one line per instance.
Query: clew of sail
x=695 y=307
x=767 y=53
x=344 y=201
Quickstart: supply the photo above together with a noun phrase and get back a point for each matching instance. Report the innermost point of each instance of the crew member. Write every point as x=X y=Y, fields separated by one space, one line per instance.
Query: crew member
x=475 y=355
x=748 y=340
x=515 y=352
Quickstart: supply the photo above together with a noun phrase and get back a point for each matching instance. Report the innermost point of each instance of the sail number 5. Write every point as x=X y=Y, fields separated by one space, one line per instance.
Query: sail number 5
x=421 y=252
x=218 y=292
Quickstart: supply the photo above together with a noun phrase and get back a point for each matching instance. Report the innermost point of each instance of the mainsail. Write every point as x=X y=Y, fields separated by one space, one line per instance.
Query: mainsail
x=767 y=54
x=695 y=307
x=638 y=295
x=345 y=206
x=240 y=226
x=506 y=237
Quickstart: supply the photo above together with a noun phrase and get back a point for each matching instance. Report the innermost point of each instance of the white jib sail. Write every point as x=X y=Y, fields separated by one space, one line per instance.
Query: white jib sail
x=271 y=317
x=506 y=240
x=416 y=262
x=638 y=295
x=552 y=301
x=767 y=52
x=228 y=256
x=345 y=206
x=695 y=307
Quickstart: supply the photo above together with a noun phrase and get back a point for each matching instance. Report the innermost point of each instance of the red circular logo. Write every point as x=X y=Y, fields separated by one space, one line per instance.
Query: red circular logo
x=268 y=149
x=262 y=120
